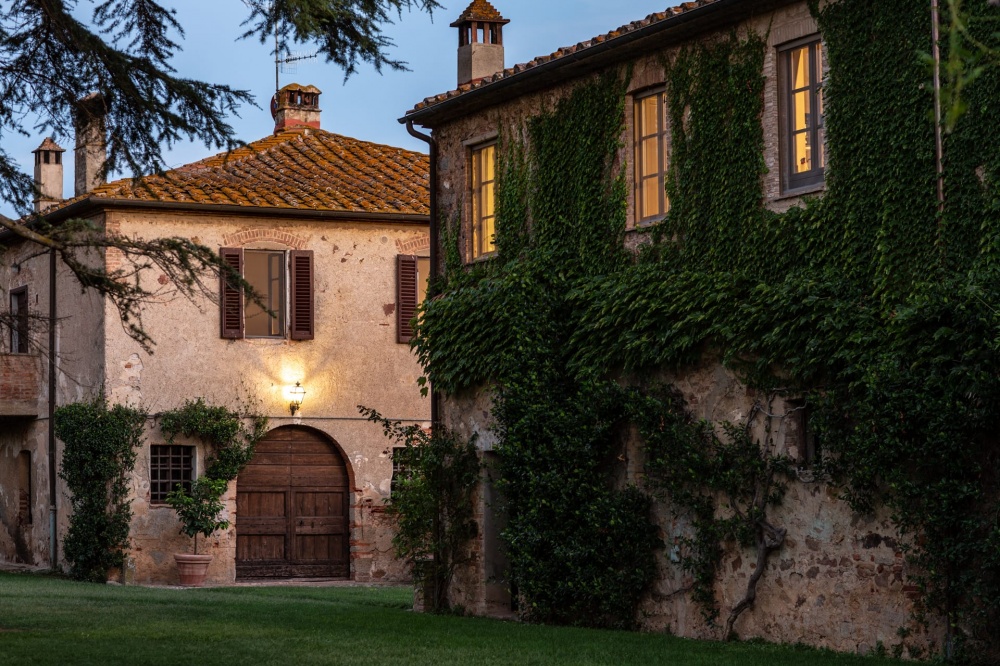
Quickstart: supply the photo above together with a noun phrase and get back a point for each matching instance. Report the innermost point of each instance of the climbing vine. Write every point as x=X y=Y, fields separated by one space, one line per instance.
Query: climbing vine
x=434 y=482
x=232 y=436
x=99 y=455
x=869 y=300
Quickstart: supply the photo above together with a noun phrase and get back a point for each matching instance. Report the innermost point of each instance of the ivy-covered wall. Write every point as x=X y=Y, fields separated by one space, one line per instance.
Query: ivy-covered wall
x=867 y=306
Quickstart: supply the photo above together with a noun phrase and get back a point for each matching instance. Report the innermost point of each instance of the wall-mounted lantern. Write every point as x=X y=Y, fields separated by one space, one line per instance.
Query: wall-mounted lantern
x=296 y=393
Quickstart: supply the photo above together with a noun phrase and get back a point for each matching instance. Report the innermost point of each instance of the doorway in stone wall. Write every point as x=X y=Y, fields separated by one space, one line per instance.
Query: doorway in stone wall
x=292 y=508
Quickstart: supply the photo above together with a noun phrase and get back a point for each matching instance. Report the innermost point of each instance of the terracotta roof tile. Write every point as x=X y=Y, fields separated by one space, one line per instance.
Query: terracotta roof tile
x=301 y=169
x=652 y=19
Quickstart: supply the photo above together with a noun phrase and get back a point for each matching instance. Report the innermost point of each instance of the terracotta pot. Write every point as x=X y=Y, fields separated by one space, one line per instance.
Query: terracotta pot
x=192 y=568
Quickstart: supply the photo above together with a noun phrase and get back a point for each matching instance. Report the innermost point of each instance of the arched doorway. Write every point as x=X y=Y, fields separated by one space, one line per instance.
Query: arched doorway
x=292 y=508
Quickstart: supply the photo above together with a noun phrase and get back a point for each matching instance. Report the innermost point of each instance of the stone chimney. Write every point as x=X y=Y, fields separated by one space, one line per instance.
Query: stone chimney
x=91 y=143
x=295 y=107
x=48 y=175
x=480 y=42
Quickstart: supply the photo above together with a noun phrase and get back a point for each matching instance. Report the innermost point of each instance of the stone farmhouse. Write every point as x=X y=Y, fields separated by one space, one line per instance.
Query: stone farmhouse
x=840 y=578
x=333 y=232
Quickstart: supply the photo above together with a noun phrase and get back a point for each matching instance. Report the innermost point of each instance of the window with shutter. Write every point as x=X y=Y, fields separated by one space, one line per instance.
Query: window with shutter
x=230 y=295
x=406 y=296
x=303 y=305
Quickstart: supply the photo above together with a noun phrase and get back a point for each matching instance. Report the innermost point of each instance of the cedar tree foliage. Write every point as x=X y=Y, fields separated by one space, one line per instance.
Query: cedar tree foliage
x=51 y=58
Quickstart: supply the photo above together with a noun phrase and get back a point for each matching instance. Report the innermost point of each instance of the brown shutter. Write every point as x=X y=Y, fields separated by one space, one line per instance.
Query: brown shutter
x=230 y=295
x=406 y=296
x=303 y=306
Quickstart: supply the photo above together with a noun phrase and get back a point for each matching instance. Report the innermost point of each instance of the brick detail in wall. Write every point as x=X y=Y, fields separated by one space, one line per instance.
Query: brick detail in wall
x=415 y=244
x=18 y=384
x=241 y=238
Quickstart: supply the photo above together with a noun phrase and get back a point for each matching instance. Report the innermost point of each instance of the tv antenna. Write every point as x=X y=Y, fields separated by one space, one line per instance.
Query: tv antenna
x=282 y=63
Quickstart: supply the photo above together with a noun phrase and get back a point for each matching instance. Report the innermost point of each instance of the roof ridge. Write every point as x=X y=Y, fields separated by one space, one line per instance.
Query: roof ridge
x=650 y=19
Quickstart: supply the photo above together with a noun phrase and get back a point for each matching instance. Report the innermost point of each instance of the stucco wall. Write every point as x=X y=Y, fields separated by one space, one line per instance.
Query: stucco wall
x=354 y=359
x=79 y=337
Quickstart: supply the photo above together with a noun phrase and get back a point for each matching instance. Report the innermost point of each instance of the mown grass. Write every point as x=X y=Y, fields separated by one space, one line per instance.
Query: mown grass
x=47 y=620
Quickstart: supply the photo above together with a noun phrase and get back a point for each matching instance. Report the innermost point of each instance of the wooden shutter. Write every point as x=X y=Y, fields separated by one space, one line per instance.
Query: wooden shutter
x=230 y=295
x=303 y=305
x=406 y=296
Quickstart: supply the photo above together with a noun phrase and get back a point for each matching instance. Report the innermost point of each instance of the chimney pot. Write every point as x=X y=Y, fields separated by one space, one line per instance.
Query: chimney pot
x=480 y=42
x=48 y=175
x=91 y=143
x=296 y=107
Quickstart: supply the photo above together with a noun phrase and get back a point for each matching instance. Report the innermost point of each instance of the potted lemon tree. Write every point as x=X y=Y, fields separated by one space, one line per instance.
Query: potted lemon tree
x=199 y=512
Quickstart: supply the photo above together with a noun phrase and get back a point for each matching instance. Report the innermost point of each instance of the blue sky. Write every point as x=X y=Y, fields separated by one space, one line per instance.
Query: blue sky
x=368 y=104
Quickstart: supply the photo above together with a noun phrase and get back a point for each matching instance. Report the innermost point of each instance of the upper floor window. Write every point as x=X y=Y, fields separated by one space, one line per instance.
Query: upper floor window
x=19 y=325
x=483 y=177
x=802 y=132
x=265 y=271
x=650 y=157
x=284 y=280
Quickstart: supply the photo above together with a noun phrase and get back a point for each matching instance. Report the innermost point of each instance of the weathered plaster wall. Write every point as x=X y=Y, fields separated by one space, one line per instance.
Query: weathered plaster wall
x=79 y=375
x=354 y=359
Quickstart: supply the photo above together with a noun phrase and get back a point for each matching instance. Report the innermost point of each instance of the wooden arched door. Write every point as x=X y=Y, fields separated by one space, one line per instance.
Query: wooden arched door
x=291 y=508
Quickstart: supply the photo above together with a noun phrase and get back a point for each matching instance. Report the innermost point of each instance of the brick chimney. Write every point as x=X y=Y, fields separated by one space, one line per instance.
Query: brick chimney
x=91 y=143
x=480 y=42
x=296 y=106
x=48 y=175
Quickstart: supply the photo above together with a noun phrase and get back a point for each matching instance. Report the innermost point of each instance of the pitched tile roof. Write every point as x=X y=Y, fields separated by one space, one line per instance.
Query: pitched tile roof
x=296 y=169
x=578 y=48
x=479 y=10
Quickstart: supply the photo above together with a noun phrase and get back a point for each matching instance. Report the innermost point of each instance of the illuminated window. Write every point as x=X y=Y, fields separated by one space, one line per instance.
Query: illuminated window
x=650 y=158
x=483 y=212
x=802 y=135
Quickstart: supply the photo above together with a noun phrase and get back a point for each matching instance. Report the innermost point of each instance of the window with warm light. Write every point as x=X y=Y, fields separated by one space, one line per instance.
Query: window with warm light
x=483 y=177
x=803 y=158
x=651 y=202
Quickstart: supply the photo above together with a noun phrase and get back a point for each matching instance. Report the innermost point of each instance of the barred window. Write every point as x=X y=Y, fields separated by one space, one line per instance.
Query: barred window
x=169 y=465
x=403 y=458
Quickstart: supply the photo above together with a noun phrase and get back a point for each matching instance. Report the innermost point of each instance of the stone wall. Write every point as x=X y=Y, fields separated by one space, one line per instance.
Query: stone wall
x=840 y=579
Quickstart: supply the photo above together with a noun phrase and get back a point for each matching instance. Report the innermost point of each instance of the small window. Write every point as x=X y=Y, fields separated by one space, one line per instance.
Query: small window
x=483 y=213
x=650 y=157
x=19 y=326
x=801 y=435
x=803 y=150
x=403 y=458
x=169 y=465
x=265 y=271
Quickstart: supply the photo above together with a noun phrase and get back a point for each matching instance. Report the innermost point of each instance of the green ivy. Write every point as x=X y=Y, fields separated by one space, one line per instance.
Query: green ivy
x=99 y=455
x=869 y=301
x=432 y=501
x=231 y=438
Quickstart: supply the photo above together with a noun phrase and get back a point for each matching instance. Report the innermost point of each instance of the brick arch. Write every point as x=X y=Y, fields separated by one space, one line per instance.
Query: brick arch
x=415 y=244
x=241 y=238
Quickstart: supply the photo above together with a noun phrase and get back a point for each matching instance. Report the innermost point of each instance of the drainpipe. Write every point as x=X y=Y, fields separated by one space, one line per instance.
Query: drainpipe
x=938 y=140
x=432 y=145
x=53 y=543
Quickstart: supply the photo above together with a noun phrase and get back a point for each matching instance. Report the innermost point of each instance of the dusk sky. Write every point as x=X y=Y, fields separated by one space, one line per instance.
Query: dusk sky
x=368 y=105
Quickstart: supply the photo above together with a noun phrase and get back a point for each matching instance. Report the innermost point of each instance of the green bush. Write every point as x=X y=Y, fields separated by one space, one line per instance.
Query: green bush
x=99 y=455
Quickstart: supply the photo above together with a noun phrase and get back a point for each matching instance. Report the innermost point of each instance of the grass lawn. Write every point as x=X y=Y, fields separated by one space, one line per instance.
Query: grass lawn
x=47 y=620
